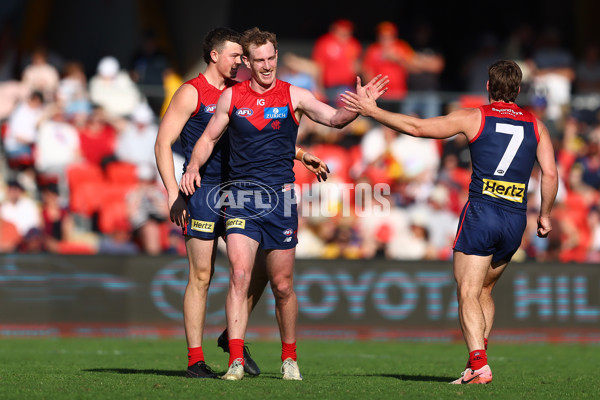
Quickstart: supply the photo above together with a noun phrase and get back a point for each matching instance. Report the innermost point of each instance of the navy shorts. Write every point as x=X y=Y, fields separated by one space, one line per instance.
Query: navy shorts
x=205 y=219
x=267 y=215
x=485 y=229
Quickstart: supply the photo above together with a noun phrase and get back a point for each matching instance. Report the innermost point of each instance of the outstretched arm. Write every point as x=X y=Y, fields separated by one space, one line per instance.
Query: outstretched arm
x=305 y=102
x=465 y=120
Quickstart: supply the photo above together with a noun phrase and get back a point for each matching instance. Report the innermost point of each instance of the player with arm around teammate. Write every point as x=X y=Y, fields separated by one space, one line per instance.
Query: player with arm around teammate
x=505 y=141
x=261 y=117
x=188 y=114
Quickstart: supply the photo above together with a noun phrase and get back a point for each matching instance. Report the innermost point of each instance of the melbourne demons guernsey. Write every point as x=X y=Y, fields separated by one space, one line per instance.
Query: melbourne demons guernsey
x=262 y=134
x=503 y=154
x=216 y=169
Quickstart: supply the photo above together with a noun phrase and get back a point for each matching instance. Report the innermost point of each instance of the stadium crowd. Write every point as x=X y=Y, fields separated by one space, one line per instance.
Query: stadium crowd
x=80 y=175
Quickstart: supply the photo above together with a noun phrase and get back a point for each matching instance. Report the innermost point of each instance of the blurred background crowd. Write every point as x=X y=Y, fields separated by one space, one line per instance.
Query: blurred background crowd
x=77 y=153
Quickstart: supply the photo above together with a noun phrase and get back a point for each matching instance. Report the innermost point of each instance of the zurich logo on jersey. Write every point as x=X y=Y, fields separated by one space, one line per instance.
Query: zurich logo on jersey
x=244 y=112
x=210 y=108
x=276 y=112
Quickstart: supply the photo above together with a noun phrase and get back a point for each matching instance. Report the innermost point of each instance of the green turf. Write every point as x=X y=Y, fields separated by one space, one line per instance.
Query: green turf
x=153 y=369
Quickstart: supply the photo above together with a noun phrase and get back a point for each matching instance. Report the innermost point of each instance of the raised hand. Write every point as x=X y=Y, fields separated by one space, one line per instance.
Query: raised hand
x=376 y=86
x=363 y=105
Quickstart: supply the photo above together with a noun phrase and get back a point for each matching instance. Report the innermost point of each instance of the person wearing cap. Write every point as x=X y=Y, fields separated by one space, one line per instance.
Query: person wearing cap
x=113 y=89
x=337 y=53
x=135 y=141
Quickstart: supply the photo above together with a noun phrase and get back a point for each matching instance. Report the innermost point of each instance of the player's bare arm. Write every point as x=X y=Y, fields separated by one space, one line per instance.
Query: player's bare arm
x=306 y=103
x=181 y=107
x=205 y=145
x=465 y=120
x=549 y=181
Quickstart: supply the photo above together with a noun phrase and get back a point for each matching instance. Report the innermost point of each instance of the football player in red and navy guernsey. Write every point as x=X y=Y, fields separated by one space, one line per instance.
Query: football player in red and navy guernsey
x=188 y=114
x=262 y=116
x=505 y=141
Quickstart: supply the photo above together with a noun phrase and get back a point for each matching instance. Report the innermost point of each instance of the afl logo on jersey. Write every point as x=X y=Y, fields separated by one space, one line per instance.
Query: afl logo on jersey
x=210 y=108
x=244 y=112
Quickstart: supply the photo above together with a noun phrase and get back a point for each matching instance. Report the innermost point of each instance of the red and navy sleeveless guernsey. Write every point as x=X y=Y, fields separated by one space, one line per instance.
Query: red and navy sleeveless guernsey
x=214 y=170
x=262 y=134
x=503 y=154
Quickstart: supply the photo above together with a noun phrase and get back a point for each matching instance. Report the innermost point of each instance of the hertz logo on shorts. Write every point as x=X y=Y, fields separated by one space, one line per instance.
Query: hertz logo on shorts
x=203 y=226
x=504 y=190
x=235 y=223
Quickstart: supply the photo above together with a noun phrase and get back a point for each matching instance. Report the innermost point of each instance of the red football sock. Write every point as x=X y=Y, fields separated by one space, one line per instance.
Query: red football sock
x=195 y=354
x=485 y=344
x=288 y=350
x=236 y=350
x=477 y=359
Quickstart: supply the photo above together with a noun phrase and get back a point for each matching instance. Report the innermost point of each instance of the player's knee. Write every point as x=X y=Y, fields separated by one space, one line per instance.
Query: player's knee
x=465 y=293
x=282 y=289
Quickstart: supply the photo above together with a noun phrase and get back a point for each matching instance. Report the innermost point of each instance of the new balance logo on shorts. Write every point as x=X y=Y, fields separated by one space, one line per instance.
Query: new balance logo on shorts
x=203 y=226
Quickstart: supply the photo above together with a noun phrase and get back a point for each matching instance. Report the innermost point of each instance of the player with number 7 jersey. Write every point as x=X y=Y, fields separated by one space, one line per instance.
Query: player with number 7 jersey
x=502 y=155
x=505 y=141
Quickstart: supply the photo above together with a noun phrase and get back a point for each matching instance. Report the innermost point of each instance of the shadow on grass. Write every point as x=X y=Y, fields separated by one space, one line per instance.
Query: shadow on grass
x=402 y=377
x=422 y=378
x=132 y=371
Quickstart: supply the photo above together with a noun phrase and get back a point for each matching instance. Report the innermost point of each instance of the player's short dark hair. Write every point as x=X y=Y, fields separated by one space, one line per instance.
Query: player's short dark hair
x=255 y=36
x=216 y=40
x=504 y=80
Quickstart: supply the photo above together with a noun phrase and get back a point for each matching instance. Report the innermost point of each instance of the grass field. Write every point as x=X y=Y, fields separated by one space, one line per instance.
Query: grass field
x=154 y=369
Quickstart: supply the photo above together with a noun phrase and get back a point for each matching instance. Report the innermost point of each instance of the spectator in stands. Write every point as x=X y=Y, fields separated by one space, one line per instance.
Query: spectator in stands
x=57 y=222
x=589 y=163
x=148 y=211
x=425 y=82
x=97 y=138
x=72 y=89
x=113 y=89
x=56 y=147
x=9 y=237
x=594 y=218
x=553 y=70
x=40 y=75
x=20 y=209
x=135 y=143
x=394 y=57
x=587 y=71
x=438 y=221
x=148 y=69
x=119 y=241
x=475 y=69
x=337 y=53
x=21 y=128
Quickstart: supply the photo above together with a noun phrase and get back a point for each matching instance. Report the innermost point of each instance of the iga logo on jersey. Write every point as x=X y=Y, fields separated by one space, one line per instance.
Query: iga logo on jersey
x=210 y=108
x=276 y=112
x=244 y=112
